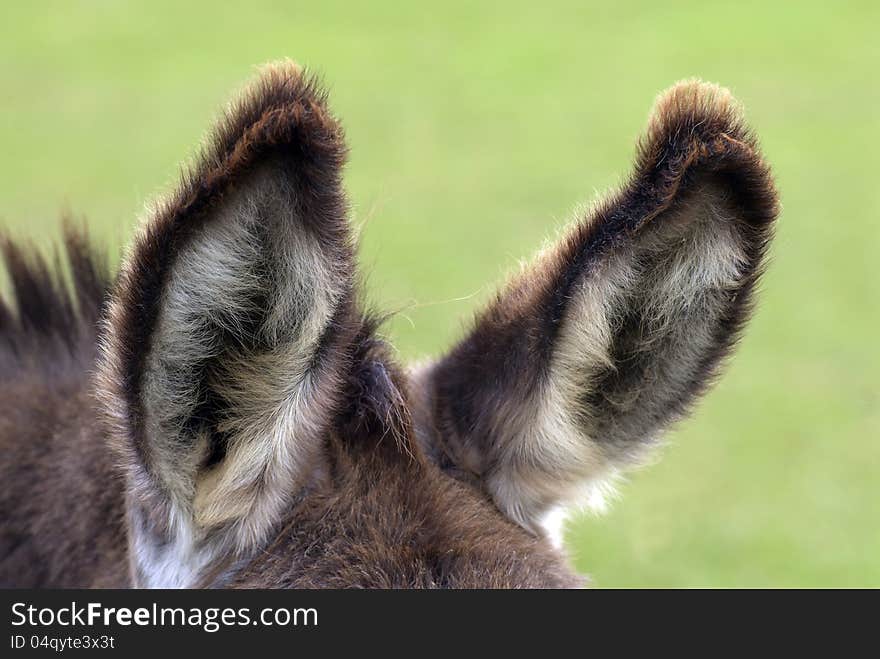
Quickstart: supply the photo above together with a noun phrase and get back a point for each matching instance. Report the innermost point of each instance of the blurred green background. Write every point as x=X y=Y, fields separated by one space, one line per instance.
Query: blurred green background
x=476 y=129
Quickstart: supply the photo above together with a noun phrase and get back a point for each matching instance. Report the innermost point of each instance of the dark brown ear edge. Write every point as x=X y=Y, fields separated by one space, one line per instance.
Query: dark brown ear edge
x=282 y=114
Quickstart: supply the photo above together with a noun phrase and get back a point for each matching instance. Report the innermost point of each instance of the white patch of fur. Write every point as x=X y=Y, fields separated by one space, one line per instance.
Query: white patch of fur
x=553 y=524
x=175 y=564
x=593 y=497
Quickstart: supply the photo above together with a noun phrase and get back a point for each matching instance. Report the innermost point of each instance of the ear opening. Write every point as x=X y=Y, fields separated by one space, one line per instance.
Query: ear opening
x=584 y=359
x=228 y=330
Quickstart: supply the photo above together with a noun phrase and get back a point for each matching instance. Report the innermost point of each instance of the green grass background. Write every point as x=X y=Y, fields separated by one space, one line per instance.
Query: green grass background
x=476 y=128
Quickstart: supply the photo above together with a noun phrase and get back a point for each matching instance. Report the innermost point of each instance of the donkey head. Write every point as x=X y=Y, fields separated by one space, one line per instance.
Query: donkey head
x=269 y=439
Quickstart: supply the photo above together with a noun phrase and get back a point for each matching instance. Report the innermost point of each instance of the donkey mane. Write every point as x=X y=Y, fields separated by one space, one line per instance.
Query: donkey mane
x=53 y=309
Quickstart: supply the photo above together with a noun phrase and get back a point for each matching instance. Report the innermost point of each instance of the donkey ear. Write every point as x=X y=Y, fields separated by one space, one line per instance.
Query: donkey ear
x=586 y=356
x=228 y=328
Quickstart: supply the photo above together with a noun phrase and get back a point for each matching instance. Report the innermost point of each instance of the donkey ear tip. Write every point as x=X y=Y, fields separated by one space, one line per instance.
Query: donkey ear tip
x=281 y=70
x=284 y=74
x=694 y=108
x=701 y=124
x=282 y=83
x=695 y=89
x=283 y=109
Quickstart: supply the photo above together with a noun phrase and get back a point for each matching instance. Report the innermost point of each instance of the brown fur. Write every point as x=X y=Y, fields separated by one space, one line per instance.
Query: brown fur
x=395 y=480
